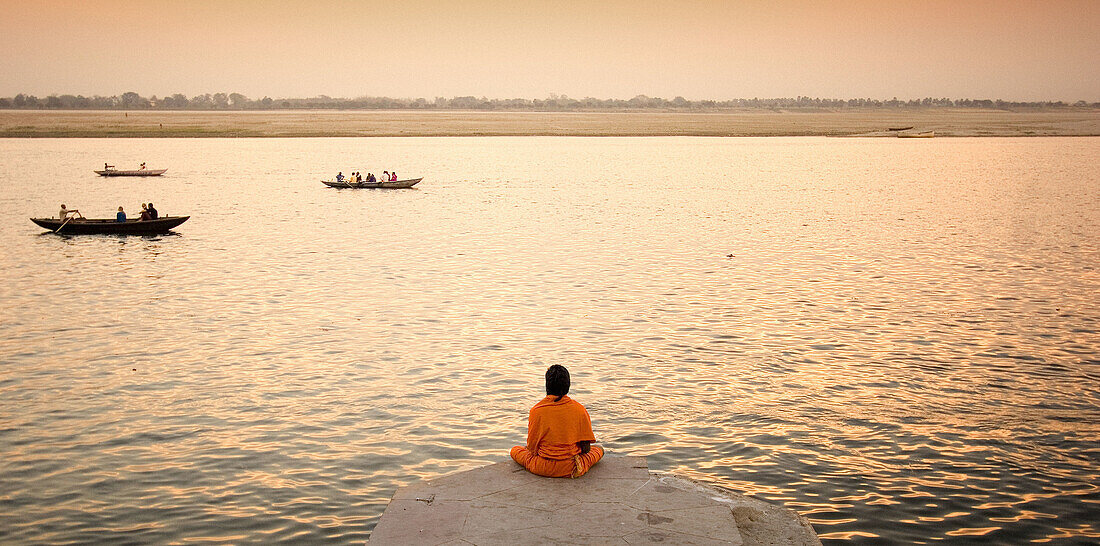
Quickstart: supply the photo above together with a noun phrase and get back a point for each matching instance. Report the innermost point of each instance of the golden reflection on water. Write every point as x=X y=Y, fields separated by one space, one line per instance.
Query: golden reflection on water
x=972 y=531
x=895 y=339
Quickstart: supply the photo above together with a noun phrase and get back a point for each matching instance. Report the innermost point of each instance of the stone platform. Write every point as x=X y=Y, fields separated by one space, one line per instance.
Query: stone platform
x=619 y=501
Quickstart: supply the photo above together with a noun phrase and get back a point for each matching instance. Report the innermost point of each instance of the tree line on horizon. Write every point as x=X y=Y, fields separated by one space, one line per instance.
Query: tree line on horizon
x=555 y=103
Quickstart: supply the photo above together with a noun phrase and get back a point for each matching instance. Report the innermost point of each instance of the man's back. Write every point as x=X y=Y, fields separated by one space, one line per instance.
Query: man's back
x=555 y=428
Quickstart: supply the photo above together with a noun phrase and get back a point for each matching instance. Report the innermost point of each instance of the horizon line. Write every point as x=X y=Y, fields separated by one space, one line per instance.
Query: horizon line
x=131 y=100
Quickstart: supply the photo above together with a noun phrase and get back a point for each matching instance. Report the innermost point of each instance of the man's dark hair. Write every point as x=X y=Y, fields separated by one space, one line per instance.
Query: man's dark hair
x=557 y=381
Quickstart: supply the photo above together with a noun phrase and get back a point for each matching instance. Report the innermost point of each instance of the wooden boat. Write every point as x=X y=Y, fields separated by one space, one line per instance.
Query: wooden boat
x=900 y=128
x=397 y=184
x=139 y=172
x=925 y=134
x=85 y=226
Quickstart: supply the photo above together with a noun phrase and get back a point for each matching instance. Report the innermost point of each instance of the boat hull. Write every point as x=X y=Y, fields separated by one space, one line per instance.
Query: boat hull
x=395 y=185
x=146 y=172
x=110 y=227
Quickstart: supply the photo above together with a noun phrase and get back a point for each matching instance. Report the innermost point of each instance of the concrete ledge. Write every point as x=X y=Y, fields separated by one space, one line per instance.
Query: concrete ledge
x=619 y=501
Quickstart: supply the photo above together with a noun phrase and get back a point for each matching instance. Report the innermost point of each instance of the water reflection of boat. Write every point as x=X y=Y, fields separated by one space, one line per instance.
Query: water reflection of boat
x=137 y=172
x=394 y=185
x=85 y=226
x=924 y=134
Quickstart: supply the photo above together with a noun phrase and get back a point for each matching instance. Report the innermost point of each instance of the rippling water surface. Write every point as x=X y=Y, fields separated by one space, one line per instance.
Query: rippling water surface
x=897 y=338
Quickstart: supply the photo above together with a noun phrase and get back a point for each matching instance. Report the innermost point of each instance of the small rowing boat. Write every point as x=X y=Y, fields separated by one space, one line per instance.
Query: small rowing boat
x=394 y=185
x=91 y=226
x=137 y=172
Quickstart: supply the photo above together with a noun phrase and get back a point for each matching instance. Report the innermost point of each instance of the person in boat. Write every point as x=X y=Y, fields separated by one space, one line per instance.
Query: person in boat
x=559 y=433
x=340 y=176
x=153 y=214
x=145 y=213
x=142 y=166
x=385 y=175
x=393 y=176
x=65 y=213
x=121 y=216
x=371 y=179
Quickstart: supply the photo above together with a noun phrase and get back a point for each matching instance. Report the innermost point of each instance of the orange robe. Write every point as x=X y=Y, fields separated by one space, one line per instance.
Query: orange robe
x=553 y=430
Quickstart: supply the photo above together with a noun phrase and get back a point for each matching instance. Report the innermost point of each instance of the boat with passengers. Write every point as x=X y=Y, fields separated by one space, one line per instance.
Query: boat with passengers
x=388 y=184
x=109 y=226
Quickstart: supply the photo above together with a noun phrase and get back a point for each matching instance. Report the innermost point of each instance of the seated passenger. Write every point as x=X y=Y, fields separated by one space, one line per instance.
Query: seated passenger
x=121 y=216
x=145 y=213
x=393 y=176
x=153 y=214
x=340 y=176
x=559 y=433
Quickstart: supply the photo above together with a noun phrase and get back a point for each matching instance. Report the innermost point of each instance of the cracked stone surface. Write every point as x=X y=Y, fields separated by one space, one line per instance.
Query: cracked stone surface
x=619 y=501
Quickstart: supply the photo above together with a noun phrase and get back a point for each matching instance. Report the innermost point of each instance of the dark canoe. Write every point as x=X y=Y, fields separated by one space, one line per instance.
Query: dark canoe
x=146 y=172
x=395 y=185
x=105 y=226
x=901 y=128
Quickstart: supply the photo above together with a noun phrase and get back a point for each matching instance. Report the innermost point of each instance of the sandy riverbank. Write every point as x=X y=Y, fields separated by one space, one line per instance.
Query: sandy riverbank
x=355 y=123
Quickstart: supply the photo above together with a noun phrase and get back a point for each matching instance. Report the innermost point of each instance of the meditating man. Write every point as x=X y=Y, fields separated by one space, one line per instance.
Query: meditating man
x=559 y=433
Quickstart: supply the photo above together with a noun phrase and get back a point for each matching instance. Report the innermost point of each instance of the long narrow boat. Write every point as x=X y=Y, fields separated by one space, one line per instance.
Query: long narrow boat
x=87 y=226
x=397 y=184
x=925 y=134
x=139 y=172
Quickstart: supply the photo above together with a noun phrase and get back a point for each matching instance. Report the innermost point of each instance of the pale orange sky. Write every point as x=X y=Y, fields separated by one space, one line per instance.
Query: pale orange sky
x=1010 y=49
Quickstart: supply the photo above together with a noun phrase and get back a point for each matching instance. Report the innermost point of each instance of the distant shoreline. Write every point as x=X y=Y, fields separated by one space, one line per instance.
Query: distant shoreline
x=946 y=122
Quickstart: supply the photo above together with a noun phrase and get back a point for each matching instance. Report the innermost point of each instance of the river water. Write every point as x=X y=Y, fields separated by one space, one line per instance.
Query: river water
x=897 y=338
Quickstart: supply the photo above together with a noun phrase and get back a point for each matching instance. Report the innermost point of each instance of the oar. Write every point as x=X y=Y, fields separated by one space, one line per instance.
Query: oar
x=63 y=224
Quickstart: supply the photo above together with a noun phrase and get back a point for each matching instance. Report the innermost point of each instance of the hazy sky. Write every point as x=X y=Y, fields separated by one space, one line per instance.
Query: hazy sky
x=698 y=49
